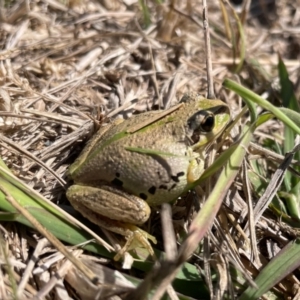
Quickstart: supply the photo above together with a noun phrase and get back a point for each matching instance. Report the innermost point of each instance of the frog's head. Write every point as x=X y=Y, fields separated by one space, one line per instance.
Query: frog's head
x=208 y=120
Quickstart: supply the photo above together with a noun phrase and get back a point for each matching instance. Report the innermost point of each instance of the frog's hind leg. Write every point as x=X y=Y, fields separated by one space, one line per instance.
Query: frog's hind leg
x=135 y=236
x=114 y=210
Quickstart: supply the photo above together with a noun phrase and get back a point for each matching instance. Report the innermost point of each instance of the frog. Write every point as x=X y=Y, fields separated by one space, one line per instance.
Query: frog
x=132 y=165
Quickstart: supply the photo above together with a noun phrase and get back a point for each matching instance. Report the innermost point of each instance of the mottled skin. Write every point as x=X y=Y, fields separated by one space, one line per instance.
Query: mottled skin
x=149 y=159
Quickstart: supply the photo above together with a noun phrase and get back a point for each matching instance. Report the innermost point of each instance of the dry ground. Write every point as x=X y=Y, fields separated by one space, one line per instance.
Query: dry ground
x=65 y=68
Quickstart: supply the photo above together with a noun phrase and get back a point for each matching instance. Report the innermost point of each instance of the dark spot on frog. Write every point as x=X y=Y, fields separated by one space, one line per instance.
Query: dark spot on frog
x=117 y=182
x=143 y=196
x=152 y=190
x=176 y=177
x=163 y=187
x=118 y=174
x=172 y=187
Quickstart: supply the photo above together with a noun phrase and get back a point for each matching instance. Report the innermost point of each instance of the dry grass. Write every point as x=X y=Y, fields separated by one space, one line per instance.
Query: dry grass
x=64 y=70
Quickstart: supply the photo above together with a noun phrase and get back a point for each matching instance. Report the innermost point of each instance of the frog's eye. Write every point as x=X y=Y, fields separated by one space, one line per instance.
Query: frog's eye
x=202 y=121
x=208 y=123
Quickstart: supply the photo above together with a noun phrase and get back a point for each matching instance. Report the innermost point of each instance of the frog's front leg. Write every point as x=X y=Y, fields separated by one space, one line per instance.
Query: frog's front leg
x=114 y=210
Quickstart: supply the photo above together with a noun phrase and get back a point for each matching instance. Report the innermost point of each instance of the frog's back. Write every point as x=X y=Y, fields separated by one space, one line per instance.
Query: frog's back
x=149 y=155
x=151 y=163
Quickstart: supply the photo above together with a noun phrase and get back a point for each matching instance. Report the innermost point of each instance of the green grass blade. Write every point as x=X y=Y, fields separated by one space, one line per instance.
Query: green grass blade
x=242 y=42
x=50 y=218
x=146 y=13
x=291 y=203
x=288 y=97
x=293 y=115
x=261 y=119
x=289 y=101
x=205 y=217
x=248 y=94
x=259 y=186
x=217 y=164
x=283 y=264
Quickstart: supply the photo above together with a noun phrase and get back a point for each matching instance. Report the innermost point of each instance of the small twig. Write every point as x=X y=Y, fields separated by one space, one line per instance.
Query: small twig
x=56 y=277
x=170 y=248
x=153 y=77
x=9 y=270
x=247 y=193
x=168 y=232
x=245 y=11
x=210 y=82
x=30 y=156
x=206 y=265
x=268 y=154
x=221 y=266
x=160 y=274
x=28 y=272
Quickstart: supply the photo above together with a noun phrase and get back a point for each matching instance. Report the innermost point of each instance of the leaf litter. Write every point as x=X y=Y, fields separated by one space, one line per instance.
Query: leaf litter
x=67 y=68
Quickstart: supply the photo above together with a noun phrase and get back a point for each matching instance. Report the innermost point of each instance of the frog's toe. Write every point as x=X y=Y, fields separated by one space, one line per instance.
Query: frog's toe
x=137 y=238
